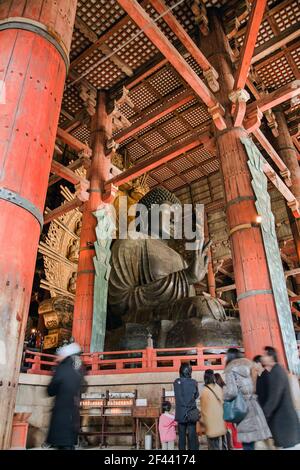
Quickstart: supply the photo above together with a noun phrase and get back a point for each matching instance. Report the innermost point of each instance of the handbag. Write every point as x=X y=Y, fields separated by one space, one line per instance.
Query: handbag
x=192 y=415
x=234 y=411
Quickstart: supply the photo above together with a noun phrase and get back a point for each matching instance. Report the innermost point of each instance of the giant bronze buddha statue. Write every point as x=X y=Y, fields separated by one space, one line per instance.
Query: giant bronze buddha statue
x=151 y=289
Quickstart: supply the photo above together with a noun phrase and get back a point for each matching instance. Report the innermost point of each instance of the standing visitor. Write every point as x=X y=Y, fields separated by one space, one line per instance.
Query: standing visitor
x=260 y=378
x=238 y=378
x=167 y=424
x=231 y=434
x=186 y=393
x=219 y=380
x=211 y=404
x=66 y=386
x=279 y=408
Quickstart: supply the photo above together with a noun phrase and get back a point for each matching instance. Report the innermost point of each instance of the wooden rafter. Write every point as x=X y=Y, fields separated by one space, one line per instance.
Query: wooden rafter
x=158 y=159
x=62 y=209
x=271 y=46
x=73 y=166
x=275 y=98
x=151 y=30
x=72 y=141
x=103 y=38
x=106 y=50
x=185 y=39
x=152 y=117
x=264 y=142
x=257 y=10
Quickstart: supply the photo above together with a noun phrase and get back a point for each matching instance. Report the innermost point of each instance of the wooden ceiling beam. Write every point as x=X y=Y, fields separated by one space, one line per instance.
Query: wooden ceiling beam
x=271 y=46
x=150 y=118
x=275 y=98
x=61 y=210
x=106 y=50
x=151 y=30
x=264 y=142
x=103 y=38
x=158 y=160
x=73 y=166
x=185 y=39
x=71 y=141
x=257 y=11
x=66 y=173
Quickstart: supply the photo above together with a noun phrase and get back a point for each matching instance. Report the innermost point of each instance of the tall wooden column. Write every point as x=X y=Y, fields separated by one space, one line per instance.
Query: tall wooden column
x=259 y=321
x=98 y=173
x=288 y=153
x=35 y=40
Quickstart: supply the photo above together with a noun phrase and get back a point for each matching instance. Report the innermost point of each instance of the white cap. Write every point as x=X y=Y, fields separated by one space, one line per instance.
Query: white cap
x=69 y=350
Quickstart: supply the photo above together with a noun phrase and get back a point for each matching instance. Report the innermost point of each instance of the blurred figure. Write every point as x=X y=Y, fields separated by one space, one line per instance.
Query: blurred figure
x=231 y=431
x=211 y=402
x=186 y=393
x=260 y=379
x=253 y=426
x=167 y=424
x=261 y=385
x=279 y=408
x=219 y=380
x=66 y=386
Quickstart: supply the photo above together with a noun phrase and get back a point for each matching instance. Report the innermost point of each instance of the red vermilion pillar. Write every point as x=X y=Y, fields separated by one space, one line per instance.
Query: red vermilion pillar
x=259 y=322
x=35 y=39
x=98 y=173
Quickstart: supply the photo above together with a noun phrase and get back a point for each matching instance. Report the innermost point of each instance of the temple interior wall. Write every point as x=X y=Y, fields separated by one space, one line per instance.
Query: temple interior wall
x=32 y=398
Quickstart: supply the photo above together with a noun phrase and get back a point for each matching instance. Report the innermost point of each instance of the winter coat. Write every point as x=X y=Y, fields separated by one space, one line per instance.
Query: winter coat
x=65 y=420
x=238 y=378
x=262 y=387
x=279 y=409
x=167 y=424
x=212 y=411
x=186 y=393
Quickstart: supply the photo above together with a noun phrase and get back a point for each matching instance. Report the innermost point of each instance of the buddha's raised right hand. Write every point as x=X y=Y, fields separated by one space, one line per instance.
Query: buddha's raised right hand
x=197 y=268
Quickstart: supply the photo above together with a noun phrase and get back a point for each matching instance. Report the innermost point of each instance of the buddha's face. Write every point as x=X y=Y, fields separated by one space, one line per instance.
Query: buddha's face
x=162 y=222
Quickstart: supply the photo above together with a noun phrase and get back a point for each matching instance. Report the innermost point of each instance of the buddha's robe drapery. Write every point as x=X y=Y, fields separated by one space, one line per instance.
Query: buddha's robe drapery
x=148 y=282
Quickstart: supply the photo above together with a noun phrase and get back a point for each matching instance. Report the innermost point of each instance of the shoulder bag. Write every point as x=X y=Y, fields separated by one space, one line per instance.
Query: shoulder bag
x=235 y=410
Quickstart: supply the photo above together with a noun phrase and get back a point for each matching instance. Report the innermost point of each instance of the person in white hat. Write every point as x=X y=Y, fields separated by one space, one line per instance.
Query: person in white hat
x=66 y=386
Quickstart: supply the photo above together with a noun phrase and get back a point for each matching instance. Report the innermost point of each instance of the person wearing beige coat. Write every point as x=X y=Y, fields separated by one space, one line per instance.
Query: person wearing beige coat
x=211 y=403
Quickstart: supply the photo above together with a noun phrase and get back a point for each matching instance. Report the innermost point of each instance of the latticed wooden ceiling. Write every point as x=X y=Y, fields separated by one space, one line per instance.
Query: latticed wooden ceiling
x=102 y=28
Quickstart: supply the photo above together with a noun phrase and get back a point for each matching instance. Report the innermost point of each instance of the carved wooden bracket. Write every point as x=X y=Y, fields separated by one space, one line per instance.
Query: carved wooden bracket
x=211 y=76
x=109 y=193
x=89 y=98
x=85 y=157
x=272 y=123
x=253 y=120
x=200 y=12
x=82 y=190
x=217 y=112
x=239 y=99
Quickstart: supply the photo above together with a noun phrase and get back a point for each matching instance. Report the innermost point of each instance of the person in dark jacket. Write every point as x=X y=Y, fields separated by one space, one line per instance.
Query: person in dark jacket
x=260 y=379
x=279 y=408
x=186 y=393
x=66 y=386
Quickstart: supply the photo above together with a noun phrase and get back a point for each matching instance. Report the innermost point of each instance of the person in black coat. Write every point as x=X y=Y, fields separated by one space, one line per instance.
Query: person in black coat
x=261 y=379
x=279 y=408
x=66 y=386
x=186 y=393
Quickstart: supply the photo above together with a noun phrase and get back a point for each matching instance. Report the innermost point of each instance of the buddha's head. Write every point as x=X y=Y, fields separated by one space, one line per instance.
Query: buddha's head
x=158 y=214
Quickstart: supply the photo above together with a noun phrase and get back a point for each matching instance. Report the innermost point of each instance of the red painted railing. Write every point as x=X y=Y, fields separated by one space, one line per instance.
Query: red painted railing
x=130 y=362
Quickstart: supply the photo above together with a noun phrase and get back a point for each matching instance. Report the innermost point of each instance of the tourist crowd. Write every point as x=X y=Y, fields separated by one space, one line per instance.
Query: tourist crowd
x=255 y=407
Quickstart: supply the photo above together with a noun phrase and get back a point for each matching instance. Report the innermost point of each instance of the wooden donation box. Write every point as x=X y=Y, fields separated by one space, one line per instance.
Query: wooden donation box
x=107 y=407
x=146 y=417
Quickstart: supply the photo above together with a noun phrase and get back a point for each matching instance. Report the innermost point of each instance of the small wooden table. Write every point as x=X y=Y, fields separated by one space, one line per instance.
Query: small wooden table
x=147 y=416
